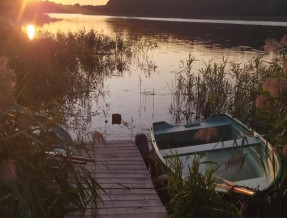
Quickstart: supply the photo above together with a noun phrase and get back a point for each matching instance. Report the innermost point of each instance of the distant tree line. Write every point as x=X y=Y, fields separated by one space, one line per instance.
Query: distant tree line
x=52 y=7
x=172 y=8
x=200 y=7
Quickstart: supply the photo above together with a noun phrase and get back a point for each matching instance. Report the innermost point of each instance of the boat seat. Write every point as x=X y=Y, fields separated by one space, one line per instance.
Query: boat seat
x=192 y=149
x=175 y=138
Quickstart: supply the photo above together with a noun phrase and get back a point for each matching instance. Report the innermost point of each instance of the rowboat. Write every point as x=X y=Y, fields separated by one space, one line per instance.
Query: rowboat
x=244 y=161
x=63 y=142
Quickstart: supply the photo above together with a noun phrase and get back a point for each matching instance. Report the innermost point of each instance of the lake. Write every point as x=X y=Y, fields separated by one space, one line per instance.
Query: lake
x=142 y=94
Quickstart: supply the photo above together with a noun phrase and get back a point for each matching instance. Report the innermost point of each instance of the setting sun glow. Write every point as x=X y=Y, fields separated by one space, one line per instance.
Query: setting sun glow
x=31 y=31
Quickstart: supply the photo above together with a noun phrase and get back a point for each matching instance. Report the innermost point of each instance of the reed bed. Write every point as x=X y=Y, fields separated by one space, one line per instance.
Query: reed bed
x=254 y=92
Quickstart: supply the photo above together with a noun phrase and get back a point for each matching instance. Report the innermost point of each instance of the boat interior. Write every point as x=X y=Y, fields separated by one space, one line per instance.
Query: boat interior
x=168 y=136
x=227 y=145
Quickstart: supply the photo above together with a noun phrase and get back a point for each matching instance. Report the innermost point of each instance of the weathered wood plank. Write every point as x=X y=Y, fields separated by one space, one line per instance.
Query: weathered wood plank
x=120 y=142
x=118 y=148
x=122 y=162
x=132 y=210
x=129 y=171
x=107 y=186
x=119 y=154
x=127 y=151
x=122 y=175
x=115 y=144
x=118 y=176
x=128 y=191
x=118 y=158
x=131 y=203
x=138 y=215
x=119 y=166
x=128 y=180
x=126 y=197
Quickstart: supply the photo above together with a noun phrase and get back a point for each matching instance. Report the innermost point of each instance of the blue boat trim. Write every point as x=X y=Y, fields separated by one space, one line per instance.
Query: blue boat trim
x=224 y=138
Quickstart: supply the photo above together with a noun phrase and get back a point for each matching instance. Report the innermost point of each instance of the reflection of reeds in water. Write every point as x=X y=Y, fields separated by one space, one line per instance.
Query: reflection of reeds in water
x=63 y=73
x=142 y=52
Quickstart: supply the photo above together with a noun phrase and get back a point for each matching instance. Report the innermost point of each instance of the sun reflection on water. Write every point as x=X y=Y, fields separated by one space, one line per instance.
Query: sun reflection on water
x=31 y=31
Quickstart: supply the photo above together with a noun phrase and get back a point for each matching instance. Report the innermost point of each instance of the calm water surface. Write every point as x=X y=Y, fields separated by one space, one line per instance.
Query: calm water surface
x=142 y=95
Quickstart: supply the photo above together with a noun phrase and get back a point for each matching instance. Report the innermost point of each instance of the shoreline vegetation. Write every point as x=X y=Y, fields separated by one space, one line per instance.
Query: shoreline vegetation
x=36 y=11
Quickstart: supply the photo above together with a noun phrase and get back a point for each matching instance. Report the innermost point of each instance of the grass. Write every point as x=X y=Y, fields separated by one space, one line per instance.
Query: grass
x=219 y=87
x=195 y=196
x=33 y=183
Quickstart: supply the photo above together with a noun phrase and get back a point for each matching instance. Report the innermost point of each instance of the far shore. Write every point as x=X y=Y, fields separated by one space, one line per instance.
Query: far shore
x=102 y=11
x=240 y=20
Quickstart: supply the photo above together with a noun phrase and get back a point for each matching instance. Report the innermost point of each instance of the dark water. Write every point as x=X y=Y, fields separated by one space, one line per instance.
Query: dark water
x=142 y=94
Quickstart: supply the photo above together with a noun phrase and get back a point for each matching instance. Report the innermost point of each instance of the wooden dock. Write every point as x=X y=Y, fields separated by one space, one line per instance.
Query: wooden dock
x=123 y=175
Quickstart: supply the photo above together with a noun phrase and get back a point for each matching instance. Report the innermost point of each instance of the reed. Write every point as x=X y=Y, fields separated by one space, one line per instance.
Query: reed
x=34 y=183
x=195 y=196
x=254 y=92
x=219 y=87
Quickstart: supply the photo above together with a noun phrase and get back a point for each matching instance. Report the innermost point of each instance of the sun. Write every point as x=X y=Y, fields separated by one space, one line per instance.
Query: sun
x=31 y=31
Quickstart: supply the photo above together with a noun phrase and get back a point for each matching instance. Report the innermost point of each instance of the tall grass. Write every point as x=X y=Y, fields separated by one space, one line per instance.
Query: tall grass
x=219 y=87
x=195 y=196
x=34 y=183
x=254 y=92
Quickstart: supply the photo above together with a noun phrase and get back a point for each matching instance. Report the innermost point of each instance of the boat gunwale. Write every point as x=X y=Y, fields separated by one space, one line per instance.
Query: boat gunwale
x=276 y=172
x=213 y=146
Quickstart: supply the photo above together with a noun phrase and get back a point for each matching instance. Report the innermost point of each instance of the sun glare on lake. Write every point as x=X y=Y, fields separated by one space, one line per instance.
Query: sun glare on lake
x=31 y=31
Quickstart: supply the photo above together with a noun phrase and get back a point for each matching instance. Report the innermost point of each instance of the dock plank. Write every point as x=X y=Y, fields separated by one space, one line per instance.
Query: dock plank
x=129 y=171
x=131 y=203
x=148 y=211
x=129 y=197
x=121 y=175
x=127 y=186
x=128 y=189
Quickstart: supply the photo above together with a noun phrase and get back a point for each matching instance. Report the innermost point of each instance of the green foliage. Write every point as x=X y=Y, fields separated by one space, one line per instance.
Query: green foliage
x=34 y=183
x=271 y=102
x=195 y=196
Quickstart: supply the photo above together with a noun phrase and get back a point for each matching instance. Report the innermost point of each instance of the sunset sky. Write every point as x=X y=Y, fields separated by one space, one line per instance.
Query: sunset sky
x=81 y=2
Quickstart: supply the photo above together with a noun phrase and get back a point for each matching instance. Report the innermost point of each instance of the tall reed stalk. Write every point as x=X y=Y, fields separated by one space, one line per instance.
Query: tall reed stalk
x=195 y=196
